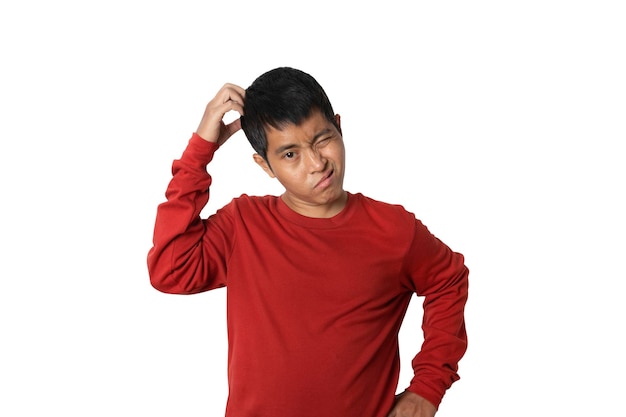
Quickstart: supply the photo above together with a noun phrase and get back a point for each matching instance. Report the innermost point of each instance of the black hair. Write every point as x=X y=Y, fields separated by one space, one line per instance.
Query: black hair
x=280 y=97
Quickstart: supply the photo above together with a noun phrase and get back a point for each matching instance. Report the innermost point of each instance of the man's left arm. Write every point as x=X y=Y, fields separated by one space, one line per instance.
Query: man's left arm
x=441 y=277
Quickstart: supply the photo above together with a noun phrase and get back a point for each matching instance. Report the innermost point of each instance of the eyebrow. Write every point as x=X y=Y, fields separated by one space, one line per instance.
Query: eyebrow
x=288 y=146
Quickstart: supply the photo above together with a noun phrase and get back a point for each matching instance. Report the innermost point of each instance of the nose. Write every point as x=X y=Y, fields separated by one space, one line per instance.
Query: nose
x=316 y=161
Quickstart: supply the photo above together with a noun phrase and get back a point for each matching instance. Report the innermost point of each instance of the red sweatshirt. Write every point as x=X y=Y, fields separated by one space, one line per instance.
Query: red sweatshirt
x=314 y=305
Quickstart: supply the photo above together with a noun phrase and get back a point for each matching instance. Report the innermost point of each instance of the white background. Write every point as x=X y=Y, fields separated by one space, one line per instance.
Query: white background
x=501 y=124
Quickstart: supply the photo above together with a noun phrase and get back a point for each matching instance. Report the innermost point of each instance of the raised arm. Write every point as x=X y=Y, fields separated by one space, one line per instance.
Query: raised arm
x=188 y=253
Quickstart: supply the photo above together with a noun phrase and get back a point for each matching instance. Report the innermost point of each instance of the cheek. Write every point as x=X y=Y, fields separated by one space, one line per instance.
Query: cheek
x=338 y=154
x=289 y=175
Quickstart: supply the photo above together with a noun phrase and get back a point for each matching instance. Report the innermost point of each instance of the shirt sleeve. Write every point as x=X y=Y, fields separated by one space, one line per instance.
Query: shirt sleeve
x=189 y=254
x=441 y=277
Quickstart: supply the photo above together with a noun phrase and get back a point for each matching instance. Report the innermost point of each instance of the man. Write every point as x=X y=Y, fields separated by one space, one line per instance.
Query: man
x=319 y=279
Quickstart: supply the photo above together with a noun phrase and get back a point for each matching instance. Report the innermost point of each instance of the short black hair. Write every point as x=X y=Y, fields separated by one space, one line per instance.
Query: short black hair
x=280 y=97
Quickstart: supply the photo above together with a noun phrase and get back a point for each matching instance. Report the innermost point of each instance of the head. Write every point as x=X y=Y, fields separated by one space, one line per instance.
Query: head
x=280 y=97
x=291 y=125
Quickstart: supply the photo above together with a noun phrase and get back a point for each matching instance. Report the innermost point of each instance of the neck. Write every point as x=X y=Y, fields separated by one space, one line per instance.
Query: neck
x=319 y=211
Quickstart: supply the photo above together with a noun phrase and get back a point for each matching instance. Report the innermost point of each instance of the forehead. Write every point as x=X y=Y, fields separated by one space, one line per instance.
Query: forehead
x=305 y=132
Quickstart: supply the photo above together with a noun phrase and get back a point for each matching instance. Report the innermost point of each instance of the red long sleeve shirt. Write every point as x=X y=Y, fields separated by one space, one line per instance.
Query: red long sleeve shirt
x=314 y=306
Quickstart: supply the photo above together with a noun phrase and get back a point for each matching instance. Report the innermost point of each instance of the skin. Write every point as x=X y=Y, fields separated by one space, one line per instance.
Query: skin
x=309 y=161
x=409 y=404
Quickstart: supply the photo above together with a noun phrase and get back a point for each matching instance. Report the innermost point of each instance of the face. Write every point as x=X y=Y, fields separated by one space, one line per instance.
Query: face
x=308 y=160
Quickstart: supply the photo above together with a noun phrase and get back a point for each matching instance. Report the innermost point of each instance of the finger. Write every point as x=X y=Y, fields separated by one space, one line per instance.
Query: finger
x=232 y=128
x=239 y=90
x=232 y=105
x=231 y=92
x=217 y=111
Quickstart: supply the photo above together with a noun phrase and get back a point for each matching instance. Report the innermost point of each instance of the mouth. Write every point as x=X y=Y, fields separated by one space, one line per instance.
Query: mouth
x=325 y=181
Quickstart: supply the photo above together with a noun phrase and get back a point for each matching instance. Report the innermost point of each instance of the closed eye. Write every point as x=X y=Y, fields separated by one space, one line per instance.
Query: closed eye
x=323 y=142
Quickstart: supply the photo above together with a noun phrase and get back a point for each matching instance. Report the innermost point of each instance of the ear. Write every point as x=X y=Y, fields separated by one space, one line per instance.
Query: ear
x=338 y=122
x=263 y=164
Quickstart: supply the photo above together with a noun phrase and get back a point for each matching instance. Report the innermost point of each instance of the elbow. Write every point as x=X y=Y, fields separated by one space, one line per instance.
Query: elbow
x=170 y=284
x=160 y=274
x=162 y=285
x=178 y=282
x=181 y=278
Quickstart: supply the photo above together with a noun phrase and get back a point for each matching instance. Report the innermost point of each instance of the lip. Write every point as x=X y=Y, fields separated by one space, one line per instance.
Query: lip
x=326 y=179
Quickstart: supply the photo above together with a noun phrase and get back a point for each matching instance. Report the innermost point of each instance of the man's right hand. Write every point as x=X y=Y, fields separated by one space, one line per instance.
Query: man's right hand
x=212 y=127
